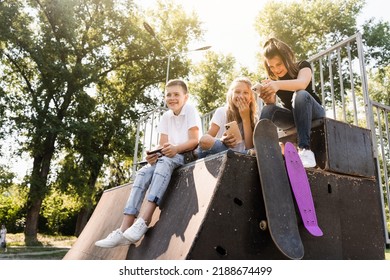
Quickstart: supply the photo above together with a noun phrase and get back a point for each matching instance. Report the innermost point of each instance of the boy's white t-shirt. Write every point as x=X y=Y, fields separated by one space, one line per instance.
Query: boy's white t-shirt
x=220 y=119
x=176 y=127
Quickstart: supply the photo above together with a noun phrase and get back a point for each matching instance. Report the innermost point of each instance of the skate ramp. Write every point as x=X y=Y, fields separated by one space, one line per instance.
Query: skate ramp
x=208 y=204
x=213 y=210
x=106 y=218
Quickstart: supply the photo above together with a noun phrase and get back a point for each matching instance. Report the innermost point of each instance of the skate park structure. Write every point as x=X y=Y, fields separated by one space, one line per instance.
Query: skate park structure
x=214 y=209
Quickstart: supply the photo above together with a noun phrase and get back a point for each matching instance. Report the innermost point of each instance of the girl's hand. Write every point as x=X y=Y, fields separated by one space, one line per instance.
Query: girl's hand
x=271 y=87
x=269 y=98
x=257 y=88
x=266 y=91
x=243 y=107
x=229 y=140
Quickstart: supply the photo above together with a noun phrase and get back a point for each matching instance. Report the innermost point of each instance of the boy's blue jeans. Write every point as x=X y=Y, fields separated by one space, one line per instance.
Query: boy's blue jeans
x=305 y=109
x=154 y=177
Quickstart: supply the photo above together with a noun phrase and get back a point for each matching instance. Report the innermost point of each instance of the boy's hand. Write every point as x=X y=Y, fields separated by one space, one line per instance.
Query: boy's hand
x=169 y=150
x=152 y=158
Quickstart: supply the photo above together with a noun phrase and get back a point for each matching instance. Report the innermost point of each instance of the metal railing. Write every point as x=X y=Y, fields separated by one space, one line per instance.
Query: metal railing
x=381 y=118
x=147 y=131
x=340 y=79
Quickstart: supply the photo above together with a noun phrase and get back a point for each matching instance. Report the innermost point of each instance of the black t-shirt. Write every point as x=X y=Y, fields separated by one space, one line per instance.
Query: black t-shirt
x=286 y=96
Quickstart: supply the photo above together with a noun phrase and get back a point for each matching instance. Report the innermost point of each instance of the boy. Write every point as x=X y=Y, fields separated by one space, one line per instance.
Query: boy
x=179 y=131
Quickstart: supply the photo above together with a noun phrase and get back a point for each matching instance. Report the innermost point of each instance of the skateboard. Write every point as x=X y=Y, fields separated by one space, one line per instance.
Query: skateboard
x=301 y=189
x=275 y=186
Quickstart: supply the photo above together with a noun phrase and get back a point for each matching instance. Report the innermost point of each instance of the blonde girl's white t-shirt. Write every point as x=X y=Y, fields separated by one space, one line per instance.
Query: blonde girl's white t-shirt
x=176 y=127
x=219 y=118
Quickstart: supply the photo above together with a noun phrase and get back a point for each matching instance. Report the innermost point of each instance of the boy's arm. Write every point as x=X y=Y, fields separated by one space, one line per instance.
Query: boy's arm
x=170 y=150
x=163 y=140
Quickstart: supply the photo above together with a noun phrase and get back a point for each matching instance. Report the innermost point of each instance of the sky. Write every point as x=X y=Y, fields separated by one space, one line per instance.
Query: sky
x=229 y=25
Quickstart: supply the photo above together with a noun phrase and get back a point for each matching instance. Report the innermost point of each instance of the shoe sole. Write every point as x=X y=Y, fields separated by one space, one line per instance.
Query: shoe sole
x=107 y=246
x=310 y=166
x=131 y=240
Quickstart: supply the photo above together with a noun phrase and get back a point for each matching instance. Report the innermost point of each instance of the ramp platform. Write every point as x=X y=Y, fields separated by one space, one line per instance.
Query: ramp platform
x=214 y=209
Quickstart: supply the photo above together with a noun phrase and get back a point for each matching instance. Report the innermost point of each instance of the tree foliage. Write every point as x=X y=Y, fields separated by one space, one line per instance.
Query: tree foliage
x=379 y=85
x=6 y=177
x=12 y=206
x=211 y=79
x=57 y=208
x=308 y=26
x=376 y=36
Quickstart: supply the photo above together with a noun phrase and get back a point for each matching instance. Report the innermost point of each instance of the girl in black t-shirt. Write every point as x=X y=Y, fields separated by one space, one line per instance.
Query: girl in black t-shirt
x=291 y=82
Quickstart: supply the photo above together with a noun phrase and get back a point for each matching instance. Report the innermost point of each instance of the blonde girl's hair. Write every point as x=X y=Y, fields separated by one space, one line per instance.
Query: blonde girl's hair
x=232 y=113
x=275 y=47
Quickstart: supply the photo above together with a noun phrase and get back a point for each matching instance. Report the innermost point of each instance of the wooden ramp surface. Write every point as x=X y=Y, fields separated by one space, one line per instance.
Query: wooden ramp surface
x=193 y=208
x=214 y=209
x=106 y=217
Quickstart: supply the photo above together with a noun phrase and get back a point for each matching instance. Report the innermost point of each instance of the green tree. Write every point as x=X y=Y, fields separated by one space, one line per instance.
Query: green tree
x=308 y=26
x=379 y=85
x=210 y=80
x=53 y=52
x=6 y=177
x=57 y=208
x=12 y=206
x=376 y=36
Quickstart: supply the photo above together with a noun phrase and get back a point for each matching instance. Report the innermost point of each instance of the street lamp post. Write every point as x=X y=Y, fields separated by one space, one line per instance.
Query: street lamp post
x=169 y=55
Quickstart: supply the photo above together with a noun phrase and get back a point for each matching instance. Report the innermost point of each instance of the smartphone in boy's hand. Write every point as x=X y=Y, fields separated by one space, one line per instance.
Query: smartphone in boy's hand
x=156 y=151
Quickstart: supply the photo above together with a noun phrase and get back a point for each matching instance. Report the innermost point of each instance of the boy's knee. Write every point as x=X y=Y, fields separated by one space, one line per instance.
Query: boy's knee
x=206 y=142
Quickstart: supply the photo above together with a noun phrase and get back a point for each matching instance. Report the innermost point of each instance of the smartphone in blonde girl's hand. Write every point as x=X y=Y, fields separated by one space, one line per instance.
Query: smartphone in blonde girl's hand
x=233 y=129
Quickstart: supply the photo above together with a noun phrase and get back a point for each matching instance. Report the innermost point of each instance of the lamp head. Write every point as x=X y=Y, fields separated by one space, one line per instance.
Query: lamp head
x=149 y=29
x=203 y=48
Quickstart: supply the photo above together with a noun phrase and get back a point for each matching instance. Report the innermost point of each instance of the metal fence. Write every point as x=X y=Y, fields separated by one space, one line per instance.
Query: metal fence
x=146 y=135
x=381 y=137
x=340 y=79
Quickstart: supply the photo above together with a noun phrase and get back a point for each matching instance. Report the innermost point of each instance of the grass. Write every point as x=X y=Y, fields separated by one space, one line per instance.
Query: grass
x=17 y=239
x=51 y=248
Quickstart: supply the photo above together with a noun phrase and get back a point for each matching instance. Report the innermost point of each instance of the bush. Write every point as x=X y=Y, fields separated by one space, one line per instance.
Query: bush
x=12 y=207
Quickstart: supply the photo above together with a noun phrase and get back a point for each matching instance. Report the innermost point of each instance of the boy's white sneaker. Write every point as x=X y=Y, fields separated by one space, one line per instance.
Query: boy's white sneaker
x=136 y=231
x=307 y=157
x=114 y=239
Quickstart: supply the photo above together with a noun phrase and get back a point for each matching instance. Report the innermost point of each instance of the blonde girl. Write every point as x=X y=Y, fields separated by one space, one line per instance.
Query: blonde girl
x=241 y=107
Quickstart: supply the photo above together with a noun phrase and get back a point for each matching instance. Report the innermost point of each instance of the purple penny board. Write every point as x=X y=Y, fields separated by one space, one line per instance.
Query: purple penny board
x=301 y=189
x=275 y=186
